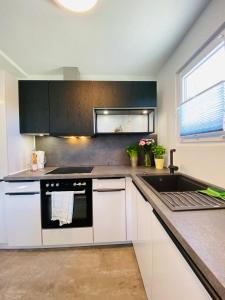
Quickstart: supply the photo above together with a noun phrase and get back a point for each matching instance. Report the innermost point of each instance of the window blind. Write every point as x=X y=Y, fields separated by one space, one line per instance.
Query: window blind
x=203 y=113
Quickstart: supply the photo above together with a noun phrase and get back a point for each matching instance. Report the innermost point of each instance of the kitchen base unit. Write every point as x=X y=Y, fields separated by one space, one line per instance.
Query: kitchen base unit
x=3 y=234
x=165 y=272
x=23 y=214
x=109 y=210
x=67 y=236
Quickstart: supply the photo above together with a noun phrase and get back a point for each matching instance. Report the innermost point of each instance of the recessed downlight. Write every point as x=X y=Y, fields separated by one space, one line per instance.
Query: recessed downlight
x=77 y=5
x=105 y=112
x=144 y=112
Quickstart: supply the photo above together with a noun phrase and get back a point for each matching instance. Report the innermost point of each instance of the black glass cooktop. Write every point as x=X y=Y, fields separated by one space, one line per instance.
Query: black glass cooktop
x=70 y=170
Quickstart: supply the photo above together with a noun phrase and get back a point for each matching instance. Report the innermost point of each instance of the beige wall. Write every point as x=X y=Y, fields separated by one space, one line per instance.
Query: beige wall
x=205 y=161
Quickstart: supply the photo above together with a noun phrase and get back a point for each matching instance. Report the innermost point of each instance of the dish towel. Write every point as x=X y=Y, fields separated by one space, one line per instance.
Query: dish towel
x=62 y=207
x=213 y=193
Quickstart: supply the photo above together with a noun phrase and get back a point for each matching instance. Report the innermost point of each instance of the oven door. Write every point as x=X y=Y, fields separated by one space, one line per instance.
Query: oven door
x=82 y=210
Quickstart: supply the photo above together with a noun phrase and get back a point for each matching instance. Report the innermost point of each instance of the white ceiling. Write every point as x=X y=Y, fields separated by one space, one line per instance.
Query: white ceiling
x=118 y=37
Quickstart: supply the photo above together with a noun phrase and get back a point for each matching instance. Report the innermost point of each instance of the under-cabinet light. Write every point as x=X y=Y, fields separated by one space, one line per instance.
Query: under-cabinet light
x=77 y=5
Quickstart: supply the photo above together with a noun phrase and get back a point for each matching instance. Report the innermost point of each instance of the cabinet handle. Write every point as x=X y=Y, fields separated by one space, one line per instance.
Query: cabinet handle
x=108 y=190
x=108 y=178
x=22 y=194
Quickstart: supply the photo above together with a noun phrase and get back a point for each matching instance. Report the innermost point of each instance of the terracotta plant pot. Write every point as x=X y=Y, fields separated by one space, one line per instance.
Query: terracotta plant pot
x=159 y=163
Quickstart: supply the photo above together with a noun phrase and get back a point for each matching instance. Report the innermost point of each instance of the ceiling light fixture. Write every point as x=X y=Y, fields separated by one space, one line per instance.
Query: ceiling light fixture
x=77 y=5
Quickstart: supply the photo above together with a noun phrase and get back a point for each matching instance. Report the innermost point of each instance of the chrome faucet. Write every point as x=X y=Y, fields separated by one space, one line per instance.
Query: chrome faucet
x=171 y=166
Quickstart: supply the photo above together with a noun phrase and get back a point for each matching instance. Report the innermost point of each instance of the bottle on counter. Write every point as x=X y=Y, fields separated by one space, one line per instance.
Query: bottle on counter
x=34 y=164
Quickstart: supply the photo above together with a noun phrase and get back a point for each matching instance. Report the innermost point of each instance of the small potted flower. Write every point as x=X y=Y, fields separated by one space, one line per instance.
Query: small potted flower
x=132 y=151
x=146 y=145
x=159 y=152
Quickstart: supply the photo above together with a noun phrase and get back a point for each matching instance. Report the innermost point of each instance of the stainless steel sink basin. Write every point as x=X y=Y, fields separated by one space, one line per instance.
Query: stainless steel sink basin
x=179 y=192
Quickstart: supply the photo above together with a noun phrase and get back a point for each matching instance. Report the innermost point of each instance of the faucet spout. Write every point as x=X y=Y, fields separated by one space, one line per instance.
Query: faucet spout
x=171 y=166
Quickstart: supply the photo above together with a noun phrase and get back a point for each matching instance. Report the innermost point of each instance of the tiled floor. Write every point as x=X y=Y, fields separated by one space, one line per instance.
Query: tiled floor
x=84 y=274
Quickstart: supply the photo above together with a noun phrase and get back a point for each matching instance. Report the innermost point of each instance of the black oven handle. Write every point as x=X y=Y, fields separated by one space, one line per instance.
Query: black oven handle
x=74 y=192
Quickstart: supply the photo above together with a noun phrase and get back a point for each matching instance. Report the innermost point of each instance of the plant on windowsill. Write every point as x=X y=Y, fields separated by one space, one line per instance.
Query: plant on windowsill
x=147 y=145
x=132 y=151
x=159 y=152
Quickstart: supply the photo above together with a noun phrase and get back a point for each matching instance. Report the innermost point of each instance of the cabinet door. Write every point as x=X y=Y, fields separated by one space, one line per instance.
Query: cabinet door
x=3 y=236
x=143 y=245
x=71 y=111
x=109 y=217
x=131 y=210
x=34 y=106
x=23 y=220
x=117 y=94
x=173 y=279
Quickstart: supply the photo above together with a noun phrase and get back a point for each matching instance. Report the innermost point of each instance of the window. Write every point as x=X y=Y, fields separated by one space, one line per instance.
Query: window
x=201 y=110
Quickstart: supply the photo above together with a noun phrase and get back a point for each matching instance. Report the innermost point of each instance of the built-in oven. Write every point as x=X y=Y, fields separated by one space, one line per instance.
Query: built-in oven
x=82 y=197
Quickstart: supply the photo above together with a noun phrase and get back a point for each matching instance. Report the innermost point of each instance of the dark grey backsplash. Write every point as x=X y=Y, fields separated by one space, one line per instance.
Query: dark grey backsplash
x=100 y=150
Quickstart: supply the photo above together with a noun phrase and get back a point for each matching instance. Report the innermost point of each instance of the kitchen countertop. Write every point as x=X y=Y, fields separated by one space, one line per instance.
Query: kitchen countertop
x=201 y=233
x=98 y=171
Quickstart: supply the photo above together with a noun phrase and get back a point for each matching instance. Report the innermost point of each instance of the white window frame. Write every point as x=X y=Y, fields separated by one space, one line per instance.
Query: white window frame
x=217 y=38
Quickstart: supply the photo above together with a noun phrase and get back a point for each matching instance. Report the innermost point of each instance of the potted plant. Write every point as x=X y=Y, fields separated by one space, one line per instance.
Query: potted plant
x=132 y=151
x=159 y=152
x=146 y=145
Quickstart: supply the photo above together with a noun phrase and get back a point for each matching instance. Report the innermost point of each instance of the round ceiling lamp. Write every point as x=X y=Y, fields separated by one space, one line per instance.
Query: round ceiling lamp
x=77 y=5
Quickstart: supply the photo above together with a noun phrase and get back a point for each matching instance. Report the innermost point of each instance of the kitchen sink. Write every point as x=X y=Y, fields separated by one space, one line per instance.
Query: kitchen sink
x=179 y=192
x=173 y=183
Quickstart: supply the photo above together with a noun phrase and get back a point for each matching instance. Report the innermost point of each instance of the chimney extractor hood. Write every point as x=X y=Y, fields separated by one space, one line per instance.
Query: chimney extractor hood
x=124 y=120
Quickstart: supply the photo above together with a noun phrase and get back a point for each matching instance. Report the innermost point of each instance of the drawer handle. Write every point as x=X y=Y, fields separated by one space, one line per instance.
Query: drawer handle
x=108 y=190
x=21 y=194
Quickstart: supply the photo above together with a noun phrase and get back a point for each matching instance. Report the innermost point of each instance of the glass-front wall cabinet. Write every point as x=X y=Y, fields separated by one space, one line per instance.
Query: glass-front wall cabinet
x=118 y=121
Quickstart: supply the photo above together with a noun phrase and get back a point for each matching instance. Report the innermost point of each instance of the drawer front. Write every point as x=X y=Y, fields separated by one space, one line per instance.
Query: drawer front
x=117 y=183
x=22 y=187
x=67 y=236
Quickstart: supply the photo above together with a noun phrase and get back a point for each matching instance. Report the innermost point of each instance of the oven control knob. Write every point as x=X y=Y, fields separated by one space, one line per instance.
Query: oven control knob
x=74 y=184
x=79 y=183
x=47 y=185
x=57 y=184
x=84 y=183
x=52 y=184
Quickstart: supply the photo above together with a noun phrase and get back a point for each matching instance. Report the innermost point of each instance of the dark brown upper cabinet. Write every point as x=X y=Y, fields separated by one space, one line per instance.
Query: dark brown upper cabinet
x=66 y=107
x=71 y=106
x=34 y=107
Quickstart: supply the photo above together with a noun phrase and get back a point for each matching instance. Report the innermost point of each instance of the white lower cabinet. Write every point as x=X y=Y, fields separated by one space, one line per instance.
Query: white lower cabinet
x=23 y=214
x=166 y=274
x=143 y=243
x=173 y=278
x=131 y=210
x=109 y=216
x=3 y=236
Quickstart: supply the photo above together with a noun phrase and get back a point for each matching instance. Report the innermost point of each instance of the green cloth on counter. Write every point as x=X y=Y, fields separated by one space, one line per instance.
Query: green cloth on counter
x=213 y=193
